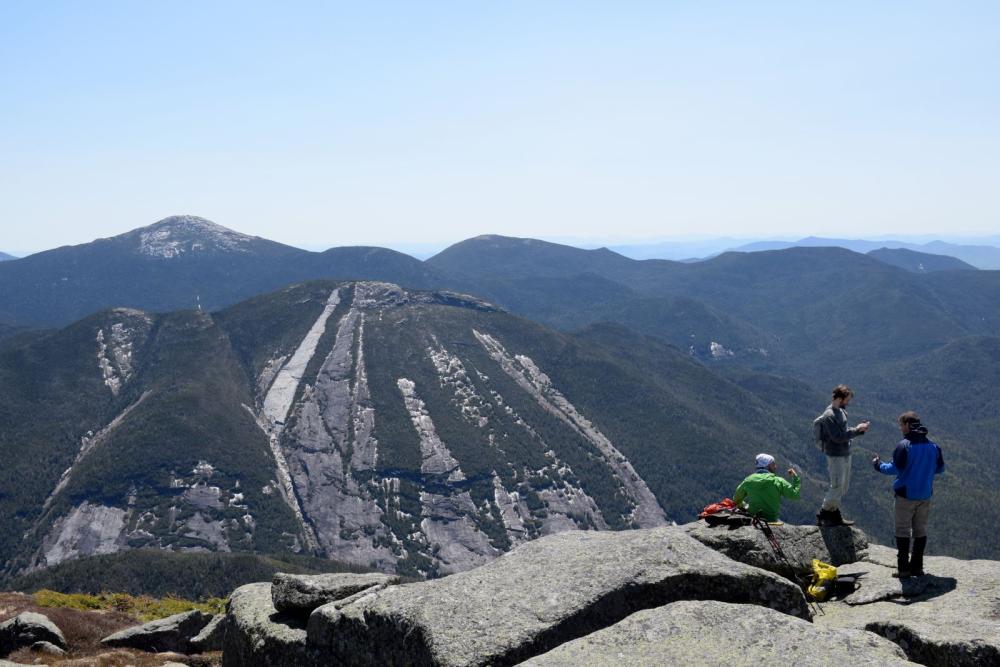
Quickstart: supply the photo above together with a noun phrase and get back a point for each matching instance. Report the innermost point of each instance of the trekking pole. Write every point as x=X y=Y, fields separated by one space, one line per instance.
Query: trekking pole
x=803 y=580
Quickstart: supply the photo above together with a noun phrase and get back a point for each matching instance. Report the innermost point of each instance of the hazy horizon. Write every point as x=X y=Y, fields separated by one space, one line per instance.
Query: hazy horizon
x=422 y=250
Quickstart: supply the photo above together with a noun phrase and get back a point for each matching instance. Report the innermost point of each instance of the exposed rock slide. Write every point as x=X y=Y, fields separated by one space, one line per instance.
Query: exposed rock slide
x=317 y=407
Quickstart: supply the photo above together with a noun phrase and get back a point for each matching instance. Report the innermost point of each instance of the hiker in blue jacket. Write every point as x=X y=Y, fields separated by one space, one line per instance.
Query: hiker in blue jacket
x=915 y=462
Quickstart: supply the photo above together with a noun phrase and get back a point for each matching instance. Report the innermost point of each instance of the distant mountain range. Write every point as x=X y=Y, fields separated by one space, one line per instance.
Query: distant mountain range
x=982 y=252
x=979 y=256
x=4 y=257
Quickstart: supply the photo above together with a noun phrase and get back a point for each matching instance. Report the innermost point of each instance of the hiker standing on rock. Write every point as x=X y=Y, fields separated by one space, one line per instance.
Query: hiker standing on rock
x=834 y=436
x=915 y=462
x=763 y=489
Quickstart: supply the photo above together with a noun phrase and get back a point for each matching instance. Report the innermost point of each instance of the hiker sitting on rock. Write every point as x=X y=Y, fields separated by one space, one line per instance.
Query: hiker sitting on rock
x=763 y=490
x=915 y=462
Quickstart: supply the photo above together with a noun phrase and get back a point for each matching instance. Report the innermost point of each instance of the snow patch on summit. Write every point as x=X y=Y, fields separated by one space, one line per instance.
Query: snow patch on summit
x=174 y=236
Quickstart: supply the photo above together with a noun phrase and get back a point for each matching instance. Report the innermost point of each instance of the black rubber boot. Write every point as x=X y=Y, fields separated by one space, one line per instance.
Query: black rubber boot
x=902 y=557
x=839 y=520
x=917 y=562
x=825 y=519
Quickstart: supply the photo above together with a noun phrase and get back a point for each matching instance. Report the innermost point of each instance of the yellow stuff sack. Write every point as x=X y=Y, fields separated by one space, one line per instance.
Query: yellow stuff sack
x=823 y=581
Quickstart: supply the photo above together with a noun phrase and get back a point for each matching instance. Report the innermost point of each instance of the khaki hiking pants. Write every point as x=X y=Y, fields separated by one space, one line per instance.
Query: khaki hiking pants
x=912 y=514
x=840 y=479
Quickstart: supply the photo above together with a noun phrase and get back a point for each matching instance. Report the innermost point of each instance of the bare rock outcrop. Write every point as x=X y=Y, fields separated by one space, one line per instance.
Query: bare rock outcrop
x=720 y=633
x=48 y=648
x=540 y=595
x=301 y=593
x=173 y=633
x=257 y=634
x=211 y=637
x=950 y=616
x=799 y=544
x=26 y=629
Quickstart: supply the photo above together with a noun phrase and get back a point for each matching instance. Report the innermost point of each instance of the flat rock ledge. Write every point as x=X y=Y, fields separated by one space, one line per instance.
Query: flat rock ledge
x=301 y=593
x=720 y=633
x=173 y=633
x=949 y=617
x=536 y=597
x=211 y=637
x=26 y=629
x=258 y=634
x=799 y=544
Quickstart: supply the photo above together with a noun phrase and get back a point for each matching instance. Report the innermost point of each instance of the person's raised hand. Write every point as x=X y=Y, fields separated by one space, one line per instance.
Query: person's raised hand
x=792 y=473
x=876 y=460
x=864 y=426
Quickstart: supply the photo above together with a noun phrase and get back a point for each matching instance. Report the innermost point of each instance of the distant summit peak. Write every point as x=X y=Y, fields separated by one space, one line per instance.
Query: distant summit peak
x=185 y=234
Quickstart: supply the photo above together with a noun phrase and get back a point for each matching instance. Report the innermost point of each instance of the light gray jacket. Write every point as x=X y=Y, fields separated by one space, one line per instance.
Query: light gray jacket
x=833 y=433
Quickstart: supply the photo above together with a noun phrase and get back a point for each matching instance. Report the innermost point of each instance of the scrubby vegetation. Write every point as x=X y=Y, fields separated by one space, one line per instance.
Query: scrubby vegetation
x=143 y=607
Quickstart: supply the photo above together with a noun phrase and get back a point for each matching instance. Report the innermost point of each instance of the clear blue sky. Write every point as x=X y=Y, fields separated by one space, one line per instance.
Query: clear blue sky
x=321 y=124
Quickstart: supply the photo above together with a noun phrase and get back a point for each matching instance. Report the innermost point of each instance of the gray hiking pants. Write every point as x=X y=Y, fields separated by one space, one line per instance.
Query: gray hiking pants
x=840 y=479
x=912 y=515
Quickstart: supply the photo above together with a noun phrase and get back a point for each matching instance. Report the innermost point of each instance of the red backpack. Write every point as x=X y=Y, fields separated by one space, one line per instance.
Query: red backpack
x=724 y=504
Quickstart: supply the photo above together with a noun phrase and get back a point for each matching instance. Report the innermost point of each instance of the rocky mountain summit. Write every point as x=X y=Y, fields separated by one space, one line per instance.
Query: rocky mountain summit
x=655 y=596
x=180 y=234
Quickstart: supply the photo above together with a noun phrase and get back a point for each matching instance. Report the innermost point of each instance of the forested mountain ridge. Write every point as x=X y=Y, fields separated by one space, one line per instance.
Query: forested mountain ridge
x=919 y=262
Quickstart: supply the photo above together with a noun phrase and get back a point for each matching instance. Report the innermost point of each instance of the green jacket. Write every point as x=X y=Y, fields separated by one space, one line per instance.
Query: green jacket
x=763 y=491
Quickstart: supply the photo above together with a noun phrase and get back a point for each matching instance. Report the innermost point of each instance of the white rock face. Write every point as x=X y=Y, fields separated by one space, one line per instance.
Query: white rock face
x=115 y=346
x=451 y=372
x=330 y=447
x=567 y=506
x=449 y=517
x=278 y=401
x=646 y=511
x=88 y=530
x=719 y=351
x=177 y=235
x=282 y=392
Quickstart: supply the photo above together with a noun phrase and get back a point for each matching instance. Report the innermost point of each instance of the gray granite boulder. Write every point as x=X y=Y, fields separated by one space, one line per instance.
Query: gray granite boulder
x=173 y=633
x=211 y=636
x=720 y=633
x=257 y=634
x=26 y=629
x=799 y=544
x=301 y=593
x=47 y=648
x=950 y=616
x=537 y=596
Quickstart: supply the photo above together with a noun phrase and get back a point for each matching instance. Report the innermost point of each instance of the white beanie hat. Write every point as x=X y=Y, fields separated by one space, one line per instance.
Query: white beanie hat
x=764 y=460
